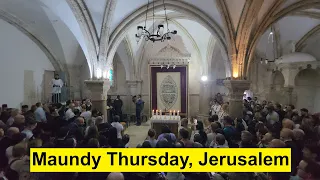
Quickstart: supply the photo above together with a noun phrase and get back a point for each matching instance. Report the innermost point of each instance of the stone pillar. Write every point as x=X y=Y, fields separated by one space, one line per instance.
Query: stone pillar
x=99 y=90
x=236 y=90
x=204 y=100
x=290 y=72
x=134 y=90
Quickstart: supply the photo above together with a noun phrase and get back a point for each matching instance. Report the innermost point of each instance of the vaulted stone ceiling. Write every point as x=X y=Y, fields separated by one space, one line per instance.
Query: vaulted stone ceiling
x=240 y=27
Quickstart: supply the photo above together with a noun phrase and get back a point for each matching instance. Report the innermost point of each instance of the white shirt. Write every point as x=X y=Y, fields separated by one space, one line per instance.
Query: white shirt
x=86 y=115
x=215 y=109
x=56 y=86
x=119 y=128
x=273 y=117
x=69 y=114
x=28 y=133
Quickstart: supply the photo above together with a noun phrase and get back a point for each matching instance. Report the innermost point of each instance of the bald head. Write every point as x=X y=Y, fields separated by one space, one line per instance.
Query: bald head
x=287 y=123
x=12 y=131
x=14 y=112
x=267 y=138
x=115 y=176
x=298 y=134
x=286 y=134
x=19 y=119
x=277 y=143
x=80 y=121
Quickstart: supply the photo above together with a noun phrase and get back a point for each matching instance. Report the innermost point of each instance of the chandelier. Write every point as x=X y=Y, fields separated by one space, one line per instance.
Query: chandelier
x=271 y=41
x=156 y=35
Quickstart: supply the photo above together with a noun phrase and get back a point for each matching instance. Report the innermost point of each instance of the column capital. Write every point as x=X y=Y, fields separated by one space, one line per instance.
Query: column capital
x=98 y=88
x=133 y=83
x=237 y=88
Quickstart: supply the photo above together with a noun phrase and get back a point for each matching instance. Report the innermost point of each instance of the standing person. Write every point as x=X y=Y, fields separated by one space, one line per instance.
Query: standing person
x=40 y=114
x=24 y=109
x=109 y=109
x=215 y=108
x=118 y=106
x=219 y=98
x=57 y=84
x=69 y=113
x=139 y=109
x=118 y=126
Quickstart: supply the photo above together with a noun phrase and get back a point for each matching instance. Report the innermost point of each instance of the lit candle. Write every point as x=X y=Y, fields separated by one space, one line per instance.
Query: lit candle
x=174 y=112
x=153 y=112
x=178 y=113
x=156 y=112
x=170 y=113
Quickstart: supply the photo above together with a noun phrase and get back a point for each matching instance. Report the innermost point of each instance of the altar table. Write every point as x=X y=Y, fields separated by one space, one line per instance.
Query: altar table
x=173 y=125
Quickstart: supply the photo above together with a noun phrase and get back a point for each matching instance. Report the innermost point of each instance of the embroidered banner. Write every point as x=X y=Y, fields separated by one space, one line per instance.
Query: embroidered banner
x=169 y=91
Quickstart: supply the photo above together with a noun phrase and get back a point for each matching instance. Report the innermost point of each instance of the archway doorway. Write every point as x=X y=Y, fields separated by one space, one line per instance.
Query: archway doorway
x=307 y=87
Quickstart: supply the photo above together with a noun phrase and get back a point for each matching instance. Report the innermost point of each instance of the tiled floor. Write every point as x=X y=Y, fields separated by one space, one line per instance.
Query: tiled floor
x=137 y=133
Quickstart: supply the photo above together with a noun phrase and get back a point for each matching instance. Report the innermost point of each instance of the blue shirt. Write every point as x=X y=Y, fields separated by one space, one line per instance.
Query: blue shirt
x=40 y=115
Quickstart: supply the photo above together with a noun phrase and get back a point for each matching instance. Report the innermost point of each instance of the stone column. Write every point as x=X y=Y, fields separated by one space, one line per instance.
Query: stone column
x=236 y=90
x=204 y=99
x=134 y=90
x=99 y=90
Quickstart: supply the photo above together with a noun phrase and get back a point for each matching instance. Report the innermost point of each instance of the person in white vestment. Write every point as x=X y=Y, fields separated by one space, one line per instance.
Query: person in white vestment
x=57 y=84
x=215 y=108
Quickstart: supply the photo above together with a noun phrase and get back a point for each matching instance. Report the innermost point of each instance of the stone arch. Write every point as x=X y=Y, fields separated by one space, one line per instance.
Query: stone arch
x=269 y=20
x=26 y=30
x=276 y=92
x=119 y=76
x=190 y=12
x=307 y=87
x=278 y=80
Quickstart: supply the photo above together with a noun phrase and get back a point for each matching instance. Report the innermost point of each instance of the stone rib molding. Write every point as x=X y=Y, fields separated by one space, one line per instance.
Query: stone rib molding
x=85 y=24
x=105 y=29
x=27 y=30
x=268 y=21
x=179 y=6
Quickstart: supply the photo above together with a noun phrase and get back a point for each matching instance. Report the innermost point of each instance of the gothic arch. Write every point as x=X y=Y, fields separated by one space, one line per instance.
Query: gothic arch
x=269 y=20
x=26 y=30
x=190 y=12
x=307 y=86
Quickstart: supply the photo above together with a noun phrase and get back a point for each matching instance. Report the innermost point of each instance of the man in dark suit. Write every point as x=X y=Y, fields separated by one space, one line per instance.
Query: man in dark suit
x=139 y=109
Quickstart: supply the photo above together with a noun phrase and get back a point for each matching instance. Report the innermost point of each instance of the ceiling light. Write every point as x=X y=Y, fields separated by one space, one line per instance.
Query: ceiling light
x=155 y=35
x=204 y=78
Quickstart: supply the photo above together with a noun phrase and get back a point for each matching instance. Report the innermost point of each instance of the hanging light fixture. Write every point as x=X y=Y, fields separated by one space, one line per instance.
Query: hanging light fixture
x=156 y=35
x=274 y=52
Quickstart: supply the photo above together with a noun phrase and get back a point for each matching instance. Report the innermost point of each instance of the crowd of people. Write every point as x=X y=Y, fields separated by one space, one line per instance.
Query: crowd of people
x=77 y=124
